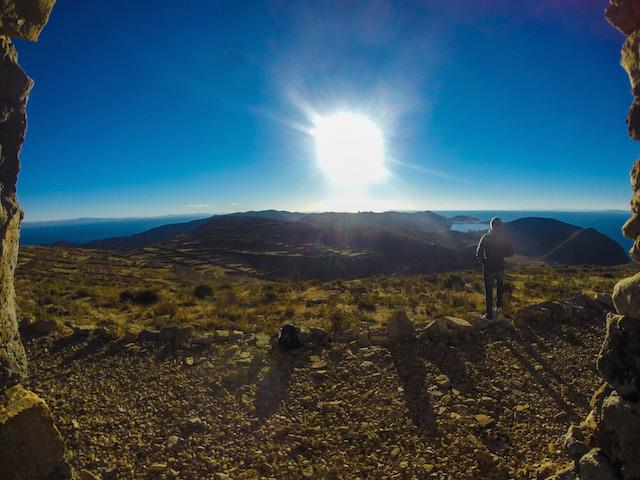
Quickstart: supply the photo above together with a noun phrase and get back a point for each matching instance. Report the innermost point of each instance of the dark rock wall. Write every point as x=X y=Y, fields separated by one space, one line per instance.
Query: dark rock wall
x=607 y=444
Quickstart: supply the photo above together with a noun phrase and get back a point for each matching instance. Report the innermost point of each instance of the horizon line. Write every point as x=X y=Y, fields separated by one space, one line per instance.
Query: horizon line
x=205 y=214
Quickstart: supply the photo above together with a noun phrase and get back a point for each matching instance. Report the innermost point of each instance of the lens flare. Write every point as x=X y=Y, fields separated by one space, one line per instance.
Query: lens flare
x=349 y=150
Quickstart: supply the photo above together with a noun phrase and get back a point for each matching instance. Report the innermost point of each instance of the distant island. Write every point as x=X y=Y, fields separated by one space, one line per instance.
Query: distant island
x=464 y=219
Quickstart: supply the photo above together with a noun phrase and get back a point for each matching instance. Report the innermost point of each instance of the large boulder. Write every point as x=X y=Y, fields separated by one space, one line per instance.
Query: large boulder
x=619 y=358
x=619 y=434
x=30 y=444
x=626 y=296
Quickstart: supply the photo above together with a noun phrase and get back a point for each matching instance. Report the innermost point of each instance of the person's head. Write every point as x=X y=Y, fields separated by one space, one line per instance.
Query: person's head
x=496 y=223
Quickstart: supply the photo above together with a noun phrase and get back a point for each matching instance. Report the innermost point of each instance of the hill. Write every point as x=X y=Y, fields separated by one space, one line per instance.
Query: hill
x=279 y=244
x=283 y=249
x=146 y=238
x=535 y=237
x=587 y=246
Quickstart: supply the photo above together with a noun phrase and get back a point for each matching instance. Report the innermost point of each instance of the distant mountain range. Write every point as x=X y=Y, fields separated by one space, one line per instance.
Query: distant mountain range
x=280 y=244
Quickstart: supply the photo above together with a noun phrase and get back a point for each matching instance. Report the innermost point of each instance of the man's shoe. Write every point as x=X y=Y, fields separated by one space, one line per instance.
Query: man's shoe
x=497 y=313
x=486 y=317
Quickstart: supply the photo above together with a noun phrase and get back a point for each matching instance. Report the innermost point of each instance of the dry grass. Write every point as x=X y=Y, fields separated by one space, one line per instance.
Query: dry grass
x=133 y=291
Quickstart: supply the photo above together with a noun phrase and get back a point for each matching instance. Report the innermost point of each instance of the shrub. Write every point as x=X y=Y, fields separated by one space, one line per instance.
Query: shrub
x=202 y=291
x=165 y=308
x=366 y=302
x=268 y=294
x=338 y=321
x=451 y=281
x=141 y=297
x=126 y=296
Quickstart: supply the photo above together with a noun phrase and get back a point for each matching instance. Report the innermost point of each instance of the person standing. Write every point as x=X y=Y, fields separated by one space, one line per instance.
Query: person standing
x=492 y=249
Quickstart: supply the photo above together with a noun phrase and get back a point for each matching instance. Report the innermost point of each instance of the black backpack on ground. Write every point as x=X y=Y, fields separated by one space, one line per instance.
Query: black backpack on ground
x=289 y=338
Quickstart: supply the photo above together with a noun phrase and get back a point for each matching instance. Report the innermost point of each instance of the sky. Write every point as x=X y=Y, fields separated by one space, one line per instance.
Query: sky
x=190 y=106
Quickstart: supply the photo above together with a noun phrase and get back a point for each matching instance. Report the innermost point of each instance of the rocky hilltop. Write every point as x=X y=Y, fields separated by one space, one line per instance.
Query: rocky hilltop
x=451 y=398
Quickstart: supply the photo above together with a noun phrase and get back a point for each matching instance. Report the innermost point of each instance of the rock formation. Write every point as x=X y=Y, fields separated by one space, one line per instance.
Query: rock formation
x=606 y=444
x=30 y=445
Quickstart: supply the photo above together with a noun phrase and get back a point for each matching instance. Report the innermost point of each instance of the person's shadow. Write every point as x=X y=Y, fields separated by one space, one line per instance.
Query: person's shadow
x=413 y=376
x=273 y=388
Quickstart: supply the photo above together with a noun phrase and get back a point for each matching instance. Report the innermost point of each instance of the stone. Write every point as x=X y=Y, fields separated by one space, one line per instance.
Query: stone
x=14 y=91
x=459 y=325
x=634 y=175
x=158 y=467
x=85 y=474
x=626 y=296
x=605 y=298
x=634 y=251
x=619 y=359
x=317 y=363
x=24 y=18
x=203 y=340
x=630 y=58
x=624 y=15
x=363 y=339
x=148 y=335
x=483 y=420
x=574 y=442
x=400 y=328
x=44 y=326
x=222 y=335
x=619 y=433
x=631 y=228
x=380 y=340
x=262 y=340
x=443 y=381
x=128 y=336
x=83 y=331
x=183 y=336
x=195 y=424
x=595 y=466
x=447 y=328
x=30 y=444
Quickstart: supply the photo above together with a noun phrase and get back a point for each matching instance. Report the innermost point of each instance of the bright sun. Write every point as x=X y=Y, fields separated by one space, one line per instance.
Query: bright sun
x=349 y=149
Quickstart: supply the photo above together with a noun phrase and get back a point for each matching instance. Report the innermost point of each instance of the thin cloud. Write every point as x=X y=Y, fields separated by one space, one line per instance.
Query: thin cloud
x=198 y=205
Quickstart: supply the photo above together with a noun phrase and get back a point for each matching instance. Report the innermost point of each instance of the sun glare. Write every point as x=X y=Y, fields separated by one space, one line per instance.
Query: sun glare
x=349 y=149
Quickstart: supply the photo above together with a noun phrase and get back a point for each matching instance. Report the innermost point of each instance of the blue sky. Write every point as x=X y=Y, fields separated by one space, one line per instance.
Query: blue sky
x=150 y=108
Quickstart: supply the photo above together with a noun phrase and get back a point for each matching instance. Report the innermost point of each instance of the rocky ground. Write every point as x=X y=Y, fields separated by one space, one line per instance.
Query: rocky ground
x=489 y=404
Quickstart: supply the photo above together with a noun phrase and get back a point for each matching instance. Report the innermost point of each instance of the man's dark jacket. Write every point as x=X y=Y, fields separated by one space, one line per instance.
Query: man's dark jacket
x=492 y=249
